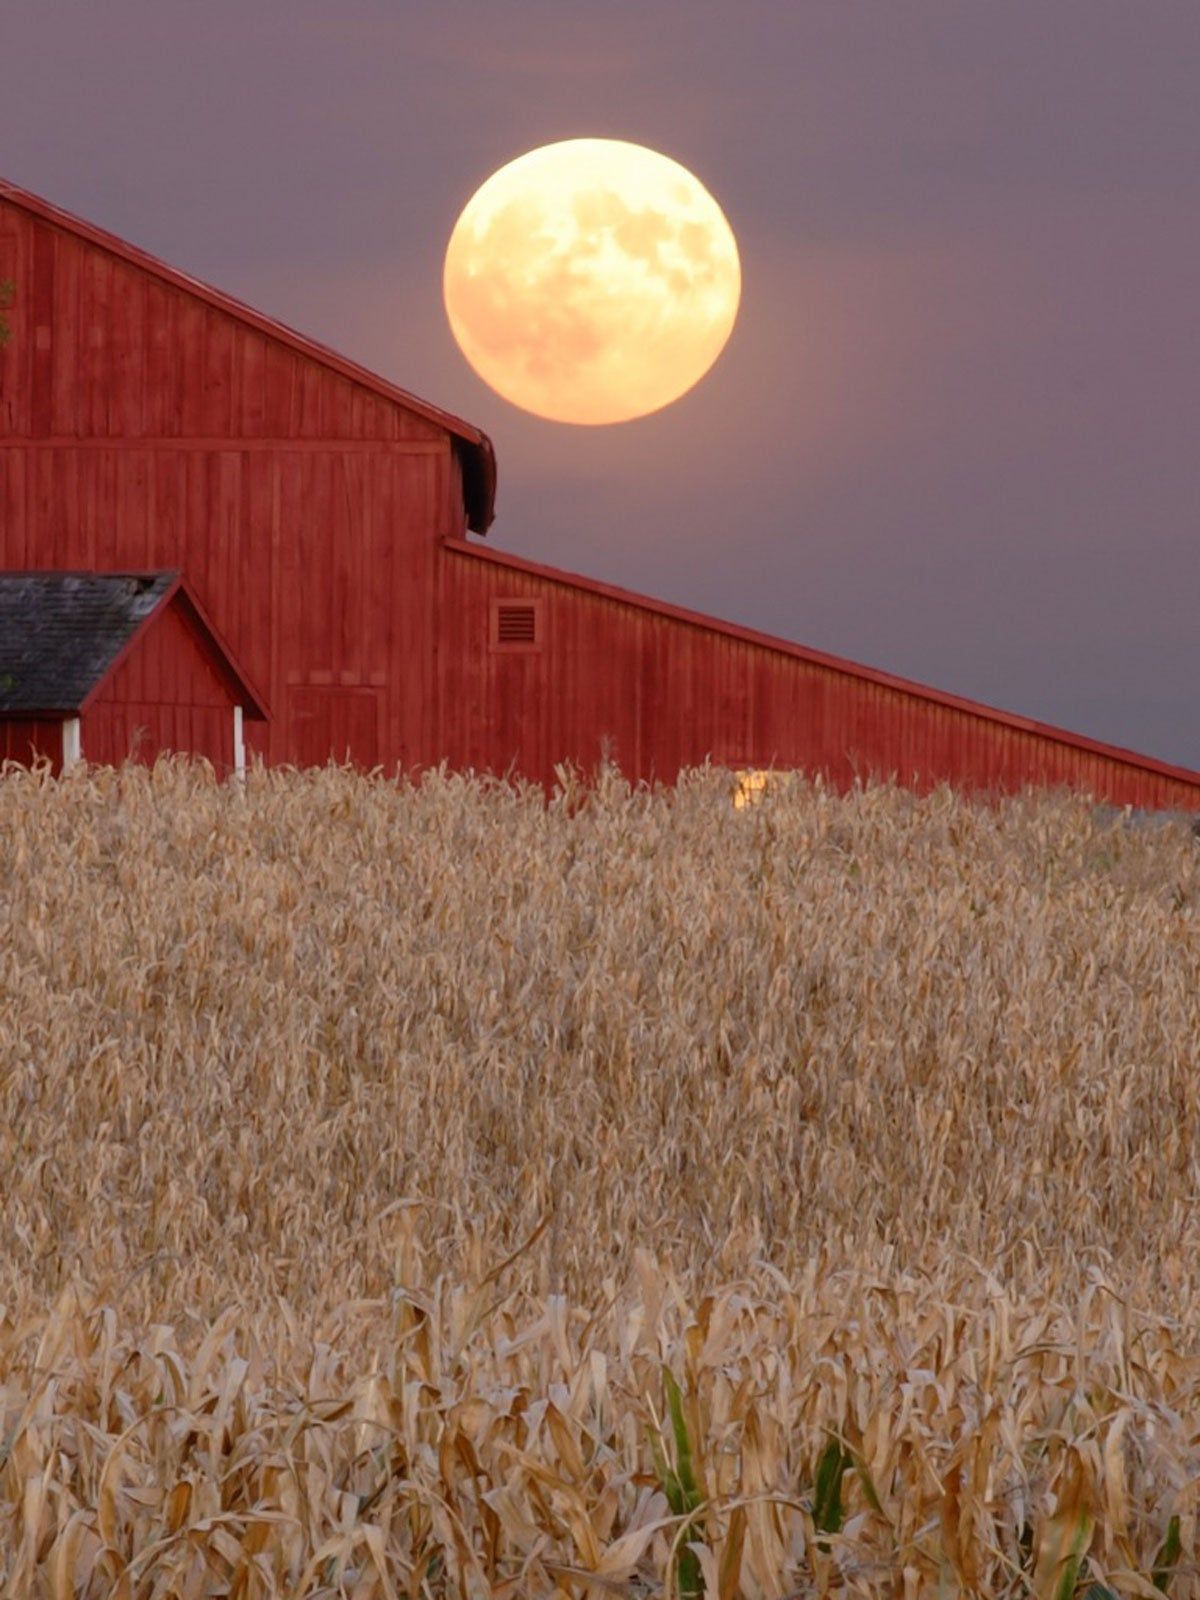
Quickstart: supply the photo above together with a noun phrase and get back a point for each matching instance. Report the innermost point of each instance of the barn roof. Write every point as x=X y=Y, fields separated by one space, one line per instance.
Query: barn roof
x=475 y=448
x=63 y=633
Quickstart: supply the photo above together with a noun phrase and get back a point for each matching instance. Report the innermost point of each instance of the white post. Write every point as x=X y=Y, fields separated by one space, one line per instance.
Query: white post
x=72 y=749
x=239 y=744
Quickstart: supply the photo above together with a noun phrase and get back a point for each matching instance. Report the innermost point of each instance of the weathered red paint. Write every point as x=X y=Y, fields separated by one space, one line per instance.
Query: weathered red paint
x=664 y=687
x=320 y=515
x=166 y=693
x=27 y=740
x=172 y=688
x=690 y=685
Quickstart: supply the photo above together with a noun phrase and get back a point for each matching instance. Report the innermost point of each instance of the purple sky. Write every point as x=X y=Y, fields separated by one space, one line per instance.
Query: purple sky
x=954 y=434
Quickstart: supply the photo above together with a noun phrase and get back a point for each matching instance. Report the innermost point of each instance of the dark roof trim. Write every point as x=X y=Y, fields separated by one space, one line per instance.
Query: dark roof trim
x=479 y=457
x=819 y=658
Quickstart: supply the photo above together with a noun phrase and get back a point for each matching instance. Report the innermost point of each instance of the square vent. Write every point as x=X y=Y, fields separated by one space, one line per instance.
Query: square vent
x=516 y=625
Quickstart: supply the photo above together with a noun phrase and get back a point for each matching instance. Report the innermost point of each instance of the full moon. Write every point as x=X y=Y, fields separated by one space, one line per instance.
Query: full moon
x=592 y=281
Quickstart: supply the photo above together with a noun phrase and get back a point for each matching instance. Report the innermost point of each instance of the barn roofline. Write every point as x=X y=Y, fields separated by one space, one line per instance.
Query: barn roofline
x=474 y=446
x=178 y=587
x=819 y=658
x=254 y=704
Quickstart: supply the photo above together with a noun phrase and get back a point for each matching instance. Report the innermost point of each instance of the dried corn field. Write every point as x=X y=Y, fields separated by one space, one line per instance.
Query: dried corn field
x=377 y=1158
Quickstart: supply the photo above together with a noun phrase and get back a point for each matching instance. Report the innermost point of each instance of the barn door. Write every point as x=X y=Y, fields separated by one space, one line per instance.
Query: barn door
x=333 y=723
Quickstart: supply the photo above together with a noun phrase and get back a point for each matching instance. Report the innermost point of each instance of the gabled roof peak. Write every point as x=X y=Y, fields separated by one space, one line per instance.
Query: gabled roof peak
x=63 y=633
x=475 y=448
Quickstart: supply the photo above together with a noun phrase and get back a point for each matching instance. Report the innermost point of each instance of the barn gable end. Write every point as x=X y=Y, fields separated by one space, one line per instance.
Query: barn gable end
x=149 y=421
x=172 y=691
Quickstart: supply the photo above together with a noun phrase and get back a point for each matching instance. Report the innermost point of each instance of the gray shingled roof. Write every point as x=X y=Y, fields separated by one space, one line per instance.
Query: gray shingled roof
x=60 y=632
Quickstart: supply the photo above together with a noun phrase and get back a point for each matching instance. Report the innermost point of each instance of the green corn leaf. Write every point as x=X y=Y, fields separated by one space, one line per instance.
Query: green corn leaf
x=668 y=1482
x=1069 y=1576
x=828 y=1511
x=684 y=1466
x=1164 y=1561
x=691 y=1581
x=679 y=1484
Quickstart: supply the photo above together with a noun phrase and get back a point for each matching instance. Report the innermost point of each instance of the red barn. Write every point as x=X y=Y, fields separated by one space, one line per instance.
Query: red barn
x=320 y=517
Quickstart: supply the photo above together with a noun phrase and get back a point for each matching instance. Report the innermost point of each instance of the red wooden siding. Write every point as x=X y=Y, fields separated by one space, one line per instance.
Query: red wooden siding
x=166 y=694
x=25 y=739
x=133 y=731
x=337 y=724
x=141 y=427
x=666 y=692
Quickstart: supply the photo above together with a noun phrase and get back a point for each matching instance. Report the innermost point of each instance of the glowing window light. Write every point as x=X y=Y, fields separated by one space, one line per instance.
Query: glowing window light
x=750 y=787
